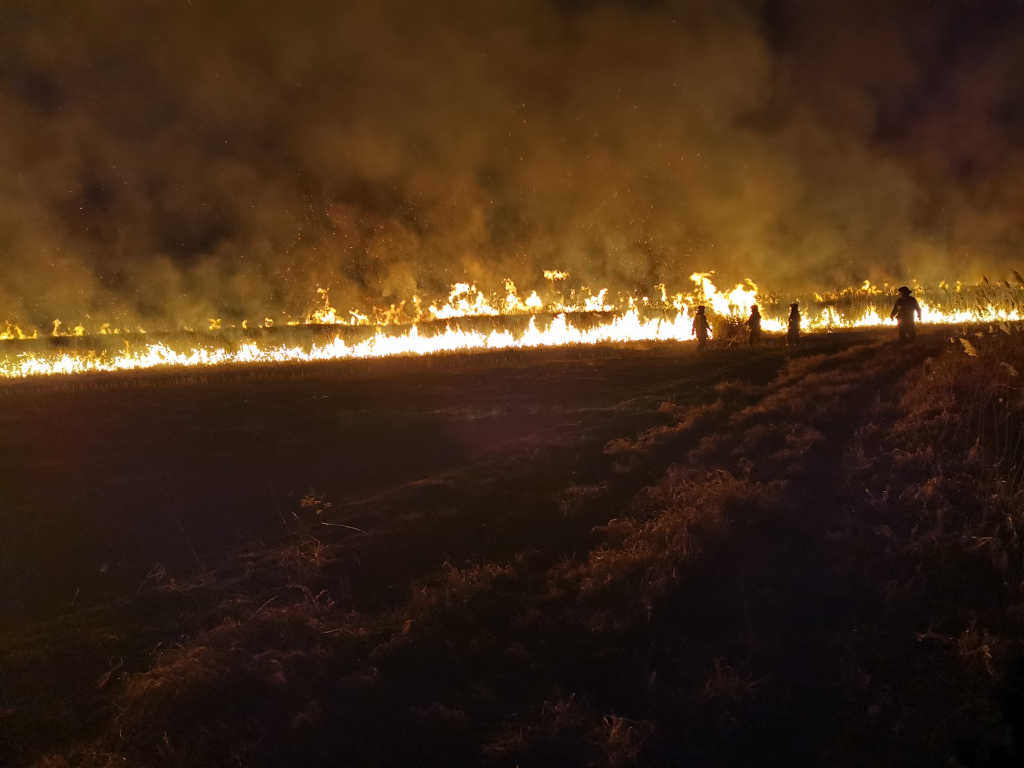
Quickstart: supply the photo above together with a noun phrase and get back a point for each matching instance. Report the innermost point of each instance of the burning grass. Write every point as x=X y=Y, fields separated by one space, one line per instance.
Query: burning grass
x=470 y=321
x=825 y=568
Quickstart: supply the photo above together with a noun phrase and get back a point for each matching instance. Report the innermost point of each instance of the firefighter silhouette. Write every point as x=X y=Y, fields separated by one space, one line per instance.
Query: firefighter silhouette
x=904 y=312
x=701 y=327
x=793 y=331
x=754 y=324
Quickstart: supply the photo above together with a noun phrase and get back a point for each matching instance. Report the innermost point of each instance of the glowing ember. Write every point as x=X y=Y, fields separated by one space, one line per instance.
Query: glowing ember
x=555 y=274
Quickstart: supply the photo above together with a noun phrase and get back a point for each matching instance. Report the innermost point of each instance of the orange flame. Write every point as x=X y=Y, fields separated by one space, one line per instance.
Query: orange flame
x=627 y=323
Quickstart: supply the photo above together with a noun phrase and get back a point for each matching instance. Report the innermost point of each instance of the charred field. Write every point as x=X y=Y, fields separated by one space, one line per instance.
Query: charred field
x=600 y=556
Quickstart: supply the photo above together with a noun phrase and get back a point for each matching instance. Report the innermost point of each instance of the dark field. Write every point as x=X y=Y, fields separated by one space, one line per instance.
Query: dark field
x=565 y=557
x=108 y=474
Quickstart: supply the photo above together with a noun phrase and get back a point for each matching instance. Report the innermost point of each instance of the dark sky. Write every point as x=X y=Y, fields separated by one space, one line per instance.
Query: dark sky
x=185 y=159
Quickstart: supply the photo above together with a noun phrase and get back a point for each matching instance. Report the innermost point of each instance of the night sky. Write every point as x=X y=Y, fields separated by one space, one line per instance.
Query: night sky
x=175 y=160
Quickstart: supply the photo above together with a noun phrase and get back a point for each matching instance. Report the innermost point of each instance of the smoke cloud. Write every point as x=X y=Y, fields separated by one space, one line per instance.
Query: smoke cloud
x=177 y=160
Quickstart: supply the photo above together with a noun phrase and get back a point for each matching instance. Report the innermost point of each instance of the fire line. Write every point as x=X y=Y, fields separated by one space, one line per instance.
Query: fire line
x=627 y=320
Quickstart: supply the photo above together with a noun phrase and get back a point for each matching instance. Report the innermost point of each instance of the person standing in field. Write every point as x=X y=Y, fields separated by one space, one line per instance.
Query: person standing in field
x=793 y=331
x=701 y=328
x=754 y=324
x=904 y=312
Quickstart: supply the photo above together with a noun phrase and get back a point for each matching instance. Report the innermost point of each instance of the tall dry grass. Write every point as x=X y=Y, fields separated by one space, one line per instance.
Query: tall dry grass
x=941 y=478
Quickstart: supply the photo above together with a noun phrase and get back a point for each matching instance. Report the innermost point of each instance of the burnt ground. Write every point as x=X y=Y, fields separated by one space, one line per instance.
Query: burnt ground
x=563 y=557
x=109 y=476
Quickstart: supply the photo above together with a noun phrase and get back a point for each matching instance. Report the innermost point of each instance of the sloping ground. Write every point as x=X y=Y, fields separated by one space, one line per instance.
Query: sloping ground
x=818 y=569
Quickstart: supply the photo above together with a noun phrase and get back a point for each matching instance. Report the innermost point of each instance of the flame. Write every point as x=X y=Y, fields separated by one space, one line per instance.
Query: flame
x=736 y=302
x=323 y=315
x=668 y=318
x=462 y=303
x=560 y=332
x=14 y=332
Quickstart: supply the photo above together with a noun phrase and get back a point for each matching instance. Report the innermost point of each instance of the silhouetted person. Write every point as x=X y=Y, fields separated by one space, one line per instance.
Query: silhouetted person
x=754 y=324
x=793 y=331
x=701 y=328
x=904 y=311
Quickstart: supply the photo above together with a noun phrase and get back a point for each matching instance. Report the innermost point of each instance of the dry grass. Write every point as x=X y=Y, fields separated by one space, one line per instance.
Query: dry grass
x=941 y=472
x=644 y=555
x=824 y=569
x=454 y=586
x=575 y=499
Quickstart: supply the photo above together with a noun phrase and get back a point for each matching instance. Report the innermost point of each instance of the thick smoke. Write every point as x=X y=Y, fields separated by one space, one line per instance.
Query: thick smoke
x=176 y=160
